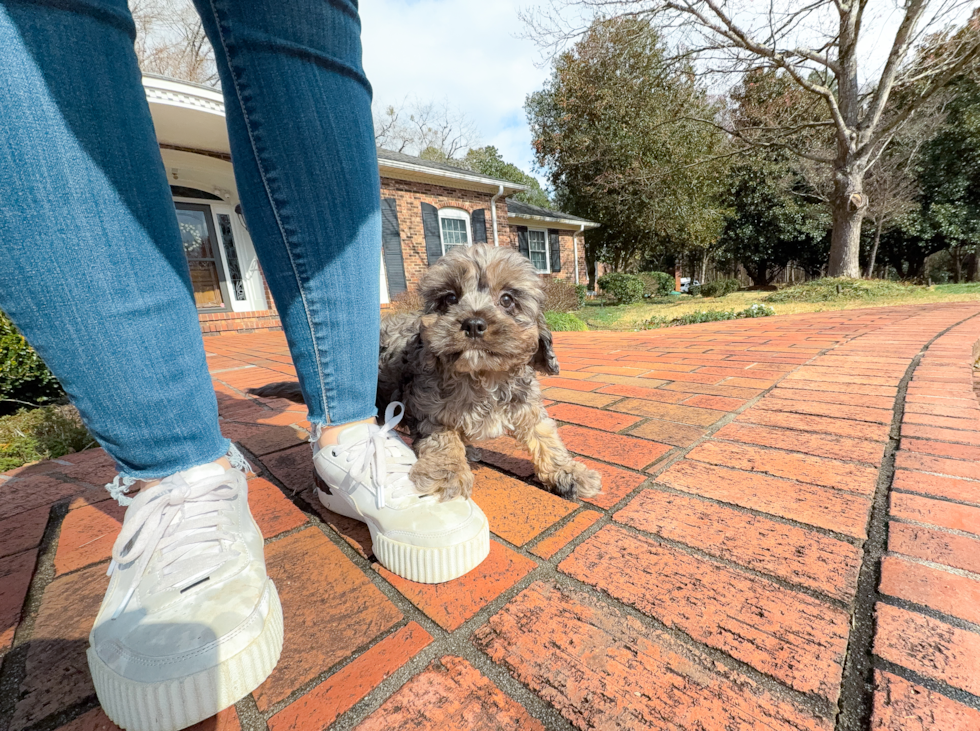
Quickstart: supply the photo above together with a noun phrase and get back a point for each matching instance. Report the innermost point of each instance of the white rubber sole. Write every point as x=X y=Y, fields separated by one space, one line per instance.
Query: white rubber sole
x=417 y=563
x=177 y=704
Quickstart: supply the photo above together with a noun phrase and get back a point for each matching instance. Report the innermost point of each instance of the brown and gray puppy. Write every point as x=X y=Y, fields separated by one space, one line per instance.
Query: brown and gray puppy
x=464 y=368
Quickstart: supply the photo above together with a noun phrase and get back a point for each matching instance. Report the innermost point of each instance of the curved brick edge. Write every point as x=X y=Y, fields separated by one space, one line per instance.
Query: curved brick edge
x=927 y=638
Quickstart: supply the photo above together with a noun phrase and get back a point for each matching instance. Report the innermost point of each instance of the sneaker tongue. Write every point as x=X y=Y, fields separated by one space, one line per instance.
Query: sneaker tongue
x=356 y=433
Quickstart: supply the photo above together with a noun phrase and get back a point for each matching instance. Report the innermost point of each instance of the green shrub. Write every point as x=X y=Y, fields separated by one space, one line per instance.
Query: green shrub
x=828 y=290
x=719 y=288
x=657 y=284
x=23 y=376
x=693 y=318
x=581 y=291
x=45 y=433
x=564 y=322
x=560 y=296
x=626 y=288
x=694 y=290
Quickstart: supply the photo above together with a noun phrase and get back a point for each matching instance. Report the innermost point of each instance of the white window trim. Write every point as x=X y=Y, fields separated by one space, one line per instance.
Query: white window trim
x=547 y=250
x=457 y=213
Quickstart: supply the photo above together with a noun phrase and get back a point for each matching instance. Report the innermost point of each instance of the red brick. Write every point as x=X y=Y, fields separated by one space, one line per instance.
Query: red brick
x=793 y=554
x=650 y=394
x=508 y=455
x=936 y=512
x=271 y=510
x=274 y=439
x=87 y=536
x=517 y=511
x=615 y=370
x=834 y=397
x=757 y=373
x=705 y=378
x=23 y=531
x=616 y=483
x=581 y=398
x=625 y=675
x=760 y=383
x=929 y=647
x=669 y=412
x=341 y=691
x=572 y=383
x=903 y=706
x=837 y=376
x=805 y=468
x=938 y=486
x=564 y=535
x=615 y=448
x=330 y=609
x=452 y=603
x=292 y=467
x=841 y=388
x=952 y=594
x=942 y=421
x=822 y=424
x=797 y=501
x=797 y=639
x=719 y=403
x=821 y=408
x=937 y=465
x=956 y=412
x=732 y=391
x=96 y=720
x=960 y=552
x=939 y=434
x=941 y=449
x=16 y=572
x=669 y=432
x=450 y=695
x=57 y=670
x=26 y=493
x=583 y=416
x=93 y=466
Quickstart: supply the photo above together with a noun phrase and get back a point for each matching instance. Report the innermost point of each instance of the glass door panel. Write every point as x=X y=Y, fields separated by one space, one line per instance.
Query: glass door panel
x=197 y=234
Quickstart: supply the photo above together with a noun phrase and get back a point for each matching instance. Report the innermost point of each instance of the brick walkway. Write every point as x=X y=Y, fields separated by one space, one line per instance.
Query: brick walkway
x=788 y=538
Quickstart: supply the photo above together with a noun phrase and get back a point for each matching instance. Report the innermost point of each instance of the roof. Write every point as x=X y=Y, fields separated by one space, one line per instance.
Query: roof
x=520 y=209
x=390 y=158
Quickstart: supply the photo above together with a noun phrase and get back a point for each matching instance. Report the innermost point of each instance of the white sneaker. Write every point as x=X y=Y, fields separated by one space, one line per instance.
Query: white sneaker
x=415 y=536
x=191 y=623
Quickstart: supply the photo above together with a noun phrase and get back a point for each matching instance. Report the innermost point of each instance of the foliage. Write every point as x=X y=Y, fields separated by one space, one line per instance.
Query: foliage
x=564 y=322
x=487 y=160
x=437 y=132
x=49 y=432
x=700 y=316
x=719 y=287
x=612 y=129
x=694 y=290
x=656 y=284
x=408 y=301
x=580 y=292
x=626 y=288
x=831 y=289
x=23 y=375
x=560 y=296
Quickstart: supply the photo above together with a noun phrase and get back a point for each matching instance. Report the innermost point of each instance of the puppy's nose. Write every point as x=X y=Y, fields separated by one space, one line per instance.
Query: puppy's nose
x=474 y=327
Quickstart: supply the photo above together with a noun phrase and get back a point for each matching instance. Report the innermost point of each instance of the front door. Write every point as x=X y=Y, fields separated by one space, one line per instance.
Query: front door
x=203 y=257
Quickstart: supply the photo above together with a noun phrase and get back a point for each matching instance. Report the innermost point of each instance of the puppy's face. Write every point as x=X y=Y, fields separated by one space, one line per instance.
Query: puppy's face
x=483 y=311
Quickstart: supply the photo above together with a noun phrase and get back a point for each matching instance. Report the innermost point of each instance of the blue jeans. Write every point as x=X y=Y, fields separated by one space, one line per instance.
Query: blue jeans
x=93 y=268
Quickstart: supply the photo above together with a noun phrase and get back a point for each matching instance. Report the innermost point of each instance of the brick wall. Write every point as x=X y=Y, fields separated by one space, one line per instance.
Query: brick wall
x=216 y=323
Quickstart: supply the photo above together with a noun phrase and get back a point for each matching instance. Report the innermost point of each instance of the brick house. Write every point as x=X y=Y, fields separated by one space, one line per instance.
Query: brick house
x=427 y=207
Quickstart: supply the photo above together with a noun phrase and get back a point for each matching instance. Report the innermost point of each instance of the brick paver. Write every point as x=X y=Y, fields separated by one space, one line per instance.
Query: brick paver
x=718 y=582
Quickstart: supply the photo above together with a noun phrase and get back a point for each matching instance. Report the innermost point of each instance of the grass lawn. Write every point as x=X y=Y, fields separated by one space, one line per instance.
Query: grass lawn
x=631 y=317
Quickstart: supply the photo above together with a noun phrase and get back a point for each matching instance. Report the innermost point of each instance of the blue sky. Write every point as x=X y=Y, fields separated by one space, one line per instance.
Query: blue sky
x=464 y=51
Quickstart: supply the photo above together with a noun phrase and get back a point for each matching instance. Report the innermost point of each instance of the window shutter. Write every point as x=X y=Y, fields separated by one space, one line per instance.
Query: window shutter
x=523 y=245
x=478 y=222
x=554 y=243
x=391 y=247
x=430 y=227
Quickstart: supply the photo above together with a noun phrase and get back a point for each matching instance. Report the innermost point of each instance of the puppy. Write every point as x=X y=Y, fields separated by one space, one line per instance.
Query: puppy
x=464 y=368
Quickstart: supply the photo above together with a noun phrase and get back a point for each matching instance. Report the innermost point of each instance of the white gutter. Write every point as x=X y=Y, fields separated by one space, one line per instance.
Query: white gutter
x=493 y=213
x=439 y=173
x=581 y=229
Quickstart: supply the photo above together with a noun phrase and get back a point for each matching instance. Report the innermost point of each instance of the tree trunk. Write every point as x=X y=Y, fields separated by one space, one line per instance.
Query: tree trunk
x=849 y=206
x=869 y=270
x=957 y=264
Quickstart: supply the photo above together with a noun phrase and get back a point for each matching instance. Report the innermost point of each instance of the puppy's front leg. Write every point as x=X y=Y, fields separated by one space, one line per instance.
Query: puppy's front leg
x=553 y=464
x=442 y=467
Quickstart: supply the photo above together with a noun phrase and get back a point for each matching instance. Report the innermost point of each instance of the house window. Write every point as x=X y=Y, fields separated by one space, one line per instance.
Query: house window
x=454 y=227
x=537 y=244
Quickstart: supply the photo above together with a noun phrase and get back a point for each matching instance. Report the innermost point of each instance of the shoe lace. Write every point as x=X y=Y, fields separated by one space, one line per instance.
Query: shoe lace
x=387 y=463
x=182 y=523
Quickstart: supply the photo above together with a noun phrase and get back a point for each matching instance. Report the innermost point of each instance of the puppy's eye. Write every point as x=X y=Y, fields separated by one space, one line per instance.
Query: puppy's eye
x=506 y=301
x=450 y=299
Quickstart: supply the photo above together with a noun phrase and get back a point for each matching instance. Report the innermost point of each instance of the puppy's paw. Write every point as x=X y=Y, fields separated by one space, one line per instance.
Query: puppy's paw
x=474 y=454
x=442 y=480
x=575 y=481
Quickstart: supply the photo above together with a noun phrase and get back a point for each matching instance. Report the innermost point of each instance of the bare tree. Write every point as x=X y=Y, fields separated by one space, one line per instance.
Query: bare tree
x=435 y=131
x=815 y=42
x=170 y=41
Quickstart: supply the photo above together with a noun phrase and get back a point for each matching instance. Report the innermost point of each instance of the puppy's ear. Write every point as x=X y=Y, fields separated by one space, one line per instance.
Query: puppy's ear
x=544 y=358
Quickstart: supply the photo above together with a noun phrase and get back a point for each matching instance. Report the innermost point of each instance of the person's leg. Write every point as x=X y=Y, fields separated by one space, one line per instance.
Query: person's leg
x=94 y=275
x=298 y=108
x=94 y=272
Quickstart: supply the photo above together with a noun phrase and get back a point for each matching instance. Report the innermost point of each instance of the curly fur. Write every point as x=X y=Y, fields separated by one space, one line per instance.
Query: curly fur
x=459 y=389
